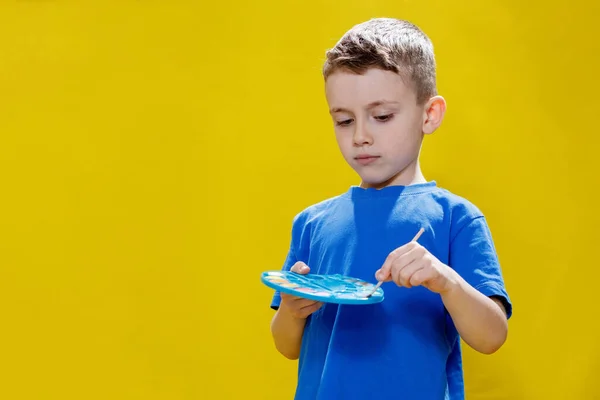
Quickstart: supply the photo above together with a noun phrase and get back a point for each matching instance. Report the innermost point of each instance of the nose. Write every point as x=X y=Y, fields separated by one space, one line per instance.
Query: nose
x=362 y=136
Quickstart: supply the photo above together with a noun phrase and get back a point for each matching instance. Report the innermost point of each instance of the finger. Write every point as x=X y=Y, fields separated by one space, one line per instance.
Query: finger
x=400 y=272
x=413 y=252
x=300 y=308
x=422 y=276
x=312 y=306
x=308 y=310
x=303 y=303
x=300 y=268
x=402 y=277
x=295 y=301
x=384 y=273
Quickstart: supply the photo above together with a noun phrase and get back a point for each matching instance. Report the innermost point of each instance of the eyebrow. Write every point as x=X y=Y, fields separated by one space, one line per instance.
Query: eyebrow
x=369 y=106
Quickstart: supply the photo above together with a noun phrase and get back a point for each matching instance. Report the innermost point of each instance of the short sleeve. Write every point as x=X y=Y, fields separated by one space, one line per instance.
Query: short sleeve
x=290 y=260
x=473 y=256
x=296 y=252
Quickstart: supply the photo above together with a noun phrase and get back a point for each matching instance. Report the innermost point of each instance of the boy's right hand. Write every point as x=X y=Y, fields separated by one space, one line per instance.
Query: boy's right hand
x=299 y=307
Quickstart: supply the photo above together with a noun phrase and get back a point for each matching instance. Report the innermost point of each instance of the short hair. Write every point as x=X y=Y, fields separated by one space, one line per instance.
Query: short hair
x=389 y=44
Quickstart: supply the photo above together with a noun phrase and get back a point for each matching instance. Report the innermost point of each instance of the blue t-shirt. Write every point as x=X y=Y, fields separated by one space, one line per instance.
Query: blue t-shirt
x=406 y=347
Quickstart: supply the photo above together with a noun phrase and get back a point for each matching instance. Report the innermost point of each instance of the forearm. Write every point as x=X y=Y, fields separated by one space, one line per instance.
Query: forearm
x=481 y=323
x=287 y=332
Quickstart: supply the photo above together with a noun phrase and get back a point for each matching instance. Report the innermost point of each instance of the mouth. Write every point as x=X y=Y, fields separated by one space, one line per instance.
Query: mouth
x=365 y=159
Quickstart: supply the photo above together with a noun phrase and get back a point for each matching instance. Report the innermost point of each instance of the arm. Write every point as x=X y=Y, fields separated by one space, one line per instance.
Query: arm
x=480 y=320
x=287 y=325
x=287 y=332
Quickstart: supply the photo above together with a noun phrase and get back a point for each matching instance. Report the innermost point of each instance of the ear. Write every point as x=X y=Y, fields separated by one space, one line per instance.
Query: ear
x=434 y=111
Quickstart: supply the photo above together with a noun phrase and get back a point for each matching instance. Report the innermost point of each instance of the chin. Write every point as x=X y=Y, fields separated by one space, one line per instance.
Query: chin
x=377 y=181
x=374 y=183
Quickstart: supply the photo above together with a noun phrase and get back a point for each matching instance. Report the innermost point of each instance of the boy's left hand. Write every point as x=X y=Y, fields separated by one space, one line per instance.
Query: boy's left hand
x=413 y=265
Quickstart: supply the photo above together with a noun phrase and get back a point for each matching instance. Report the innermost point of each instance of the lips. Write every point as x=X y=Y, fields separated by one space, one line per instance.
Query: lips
x=366 y=159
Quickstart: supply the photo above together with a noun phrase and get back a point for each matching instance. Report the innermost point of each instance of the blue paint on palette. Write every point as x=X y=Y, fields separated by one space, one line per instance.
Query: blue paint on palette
x=337 y=288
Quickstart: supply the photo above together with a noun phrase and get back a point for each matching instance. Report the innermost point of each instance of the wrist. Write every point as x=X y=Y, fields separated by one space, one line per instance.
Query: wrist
x=453 y=282
x=284 y=309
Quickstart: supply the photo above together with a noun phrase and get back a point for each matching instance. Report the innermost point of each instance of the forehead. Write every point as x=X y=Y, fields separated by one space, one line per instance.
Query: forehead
x=346 y=89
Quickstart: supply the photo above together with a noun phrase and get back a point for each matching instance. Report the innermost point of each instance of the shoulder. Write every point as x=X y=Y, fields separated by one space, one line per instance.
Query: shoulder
x=305 y=222
x=457 y=204
x=459 y=211
x=317 y=210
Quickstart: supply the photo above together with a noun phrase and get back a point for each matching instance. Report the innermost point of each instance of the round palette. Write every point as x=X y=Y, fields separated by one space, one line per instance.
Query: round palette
x=337 y=288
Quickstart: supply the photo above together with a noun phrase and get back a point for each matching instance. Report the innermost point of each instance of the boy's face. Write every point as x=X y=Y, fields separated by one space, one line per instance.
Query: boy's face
x=379 y=125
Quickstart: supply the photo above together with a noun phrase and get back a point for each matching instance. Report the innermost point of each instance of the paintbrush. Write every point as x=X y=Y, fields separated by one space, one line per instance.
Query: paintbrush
x=417 y=236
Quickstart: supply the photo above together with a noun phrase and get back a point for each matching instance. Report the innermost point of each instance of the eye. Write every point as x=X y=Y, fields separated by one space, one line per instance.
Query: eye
x=345 y=122
x=384 y=118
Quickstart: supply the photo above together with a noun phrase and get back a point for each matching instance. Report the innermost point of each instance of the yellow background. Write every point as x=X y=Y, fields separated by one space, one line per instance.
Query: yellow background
x=153 y=154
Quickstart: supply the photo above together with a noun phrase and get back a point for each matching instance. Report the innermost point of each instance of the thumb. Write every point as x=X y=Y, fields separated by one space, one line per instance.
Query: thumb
x=300 y=268
x=383 y=274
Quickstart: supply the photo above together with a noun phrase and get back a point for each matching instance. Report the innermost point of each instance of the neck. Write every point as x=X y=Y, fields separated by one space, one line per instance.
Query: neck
x=411 y=175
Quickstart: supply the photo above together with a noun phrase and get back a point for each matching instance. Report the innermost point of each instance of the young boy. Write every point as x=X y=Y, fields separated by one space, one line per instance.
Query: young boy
x=380 y=85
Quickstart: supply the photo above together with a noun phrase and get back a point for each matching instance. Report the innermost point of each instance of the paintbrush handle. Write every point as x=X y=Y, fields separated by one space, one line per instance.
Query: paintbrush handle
x=377 y=287
x=417 y=236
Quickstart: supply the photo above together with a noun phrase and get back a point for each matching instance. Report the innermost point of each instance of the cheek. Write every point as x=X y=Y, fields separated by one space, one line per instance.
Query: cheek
x=405 y=132
x=417 y=123
x=343 y=135
x=344 y=141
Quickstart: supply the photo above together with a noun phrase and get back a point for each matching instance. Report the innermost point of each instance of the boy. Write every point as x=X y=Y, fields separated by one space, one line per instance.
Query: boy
x=380 y=85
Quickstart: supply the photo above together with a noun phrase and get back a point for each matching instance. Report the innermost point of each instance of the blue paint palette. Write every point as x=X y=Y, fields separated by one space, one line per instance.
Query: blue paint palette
x=337 y=288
